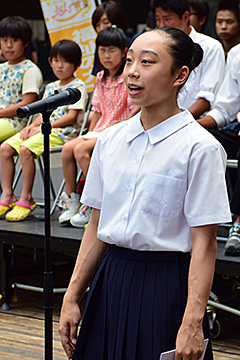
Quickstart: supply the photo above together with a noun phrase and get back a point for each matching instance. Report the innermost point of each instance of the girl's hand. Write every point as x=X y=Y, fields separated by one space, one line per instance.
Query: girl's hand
x=189 y=343
x=24 y=134
x=35 y=130
x=68 y=324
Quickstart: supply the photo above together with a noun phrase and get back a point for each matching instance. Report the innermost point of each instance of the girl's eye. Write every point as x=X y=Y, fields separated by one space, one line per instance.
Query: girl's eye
x=128 y=60
x=146 y=61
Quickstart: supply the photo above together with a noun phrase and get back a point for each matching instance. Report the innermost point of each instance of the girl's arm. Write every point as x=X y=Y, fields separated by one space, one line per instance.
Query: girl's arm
x=12 y=110
x=93 y=118
x=90 y=253
x=189 y=342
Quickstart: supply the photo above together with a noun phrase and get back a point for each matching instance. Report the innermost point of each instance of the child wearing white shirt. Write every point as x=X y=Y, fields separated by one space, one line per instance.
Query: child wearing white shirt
x=151 y=186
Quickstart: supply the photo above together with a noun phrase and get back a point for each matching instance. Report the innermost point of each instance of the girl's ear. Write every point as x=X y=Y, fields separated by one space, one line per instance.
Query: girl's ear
x=50 y=61
x=124 y=52
x=181 y=76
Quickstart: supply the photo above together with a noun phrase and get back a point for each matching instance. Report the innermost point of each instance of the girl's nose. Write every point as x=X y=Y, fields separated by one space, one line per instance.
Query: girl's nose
x=133 y=71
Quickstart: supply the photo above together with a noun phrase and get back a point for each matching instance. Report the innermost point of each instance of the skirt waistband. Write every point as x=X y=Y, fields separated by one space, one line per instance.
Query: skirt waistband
x=148 y=256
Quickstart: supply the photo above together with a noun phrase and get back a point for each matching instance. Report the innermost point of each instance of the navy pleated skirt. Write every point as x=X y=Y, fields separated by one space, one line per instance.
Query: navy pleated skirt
x=135 y=306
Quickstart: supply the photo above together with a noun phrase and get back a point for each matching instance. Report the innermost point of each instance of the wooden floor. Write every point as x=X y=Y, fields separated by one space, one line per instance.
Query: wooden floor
x=22 y=332
x=22 y=336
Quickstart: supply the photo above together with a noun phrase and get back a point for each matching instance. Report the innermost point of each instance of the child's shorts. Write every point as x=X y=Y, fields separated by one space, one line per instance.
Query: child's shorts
x=6 y=130
x=35 y=143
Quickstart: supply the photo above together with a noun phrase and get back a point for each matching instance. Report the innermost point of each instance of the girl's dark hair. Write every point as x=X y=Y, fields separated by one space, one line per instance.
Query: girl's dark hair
x=183 y=50
x=115 y=14
x=16 y=27
x=112 y=36
x=68 y=50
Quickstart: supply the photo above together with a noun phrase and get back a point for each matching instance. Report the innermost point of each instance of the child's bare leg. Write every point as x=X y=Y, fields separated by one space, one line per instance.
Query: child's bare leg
x=69 y=164
x=82 y=153
x=28 y=175
x=7 y=173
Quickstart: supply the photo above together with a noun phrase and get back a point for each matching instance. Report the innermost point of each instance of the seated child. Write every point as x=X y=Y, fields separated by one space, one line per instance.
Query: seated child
x=20 y=79
x=65 y=58
x=110 y=104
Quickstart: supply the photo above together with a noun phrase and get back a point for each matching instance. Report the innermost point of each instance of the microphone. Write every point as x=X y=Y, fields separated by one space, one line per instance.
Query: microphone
x=66 y=97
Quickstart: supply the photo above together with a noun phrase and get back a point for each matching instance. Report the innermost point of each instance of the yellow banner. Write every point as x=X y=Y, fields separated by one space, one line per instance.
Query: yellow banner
x=70 y=19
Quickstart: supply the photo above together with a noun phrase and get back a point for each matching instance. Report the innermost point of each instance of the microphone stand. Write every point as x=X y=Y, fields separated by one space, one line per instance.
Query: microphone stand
x=48 y=274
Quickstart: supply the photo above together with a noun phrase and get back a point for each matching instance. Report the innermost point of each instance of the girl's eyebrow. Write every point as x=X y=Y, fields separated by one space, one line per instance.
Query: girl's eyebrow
x=150 y=52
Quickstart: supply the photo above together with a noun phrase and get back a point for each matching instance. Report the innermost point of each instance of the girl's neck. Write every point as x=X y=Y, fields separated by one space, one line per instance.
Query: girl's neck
x=154 y=115
x=112 y=74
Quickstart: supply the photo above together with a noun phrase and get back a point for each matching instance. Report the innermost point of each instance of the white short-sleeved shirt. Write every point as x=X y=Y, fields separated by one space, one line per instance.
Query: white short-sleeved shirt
x=206 y=79
x=227 y=103
x=151 y=186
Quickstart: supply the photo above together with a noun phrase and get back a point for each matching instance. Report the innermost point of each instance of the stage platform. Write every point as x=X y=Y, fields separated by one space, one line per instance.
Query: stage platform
x=30 y=234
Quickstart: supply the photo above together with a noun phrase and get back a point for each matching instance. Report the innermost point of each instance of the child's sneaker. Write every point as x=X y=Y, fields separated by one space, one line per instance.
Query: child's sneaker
x=82 y=217
x=70 y=208
x=232 y=246
x=63 y=200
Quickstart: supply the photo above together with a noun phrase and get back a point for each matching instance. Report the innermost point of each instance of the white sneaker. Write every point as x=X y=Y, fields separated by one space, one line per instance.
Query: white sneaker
x=82 y=217
x=70 y=209
x=63 y=200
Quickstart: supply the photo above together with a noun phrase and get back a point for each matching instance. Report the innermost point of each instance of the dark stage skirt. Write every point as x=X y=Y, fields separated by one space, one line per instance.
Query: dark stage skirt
x=135 y=306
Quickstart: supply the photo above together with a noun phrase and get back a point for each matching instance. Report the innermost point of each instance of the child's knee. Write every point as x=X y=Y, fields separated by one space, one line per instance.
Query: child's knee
x=6 y=150
x=24 y=152
x=67 y=150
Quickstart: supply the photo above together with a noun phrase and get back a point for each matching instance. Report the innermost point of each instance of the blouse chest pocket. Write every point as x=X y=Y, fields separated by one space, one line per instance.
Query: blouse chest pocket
x=163 y=195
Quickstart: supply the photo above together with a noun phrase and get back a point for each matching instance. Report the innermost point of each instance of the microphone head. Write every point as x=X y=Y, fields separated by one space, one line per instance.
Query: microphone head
x=23 y=111
x=74 y=94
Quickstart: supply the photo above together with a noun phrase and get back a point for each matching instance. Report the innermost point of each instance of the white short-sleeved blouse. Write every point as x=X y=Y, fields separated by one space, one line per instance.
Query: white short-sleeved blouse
x=151 y=186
